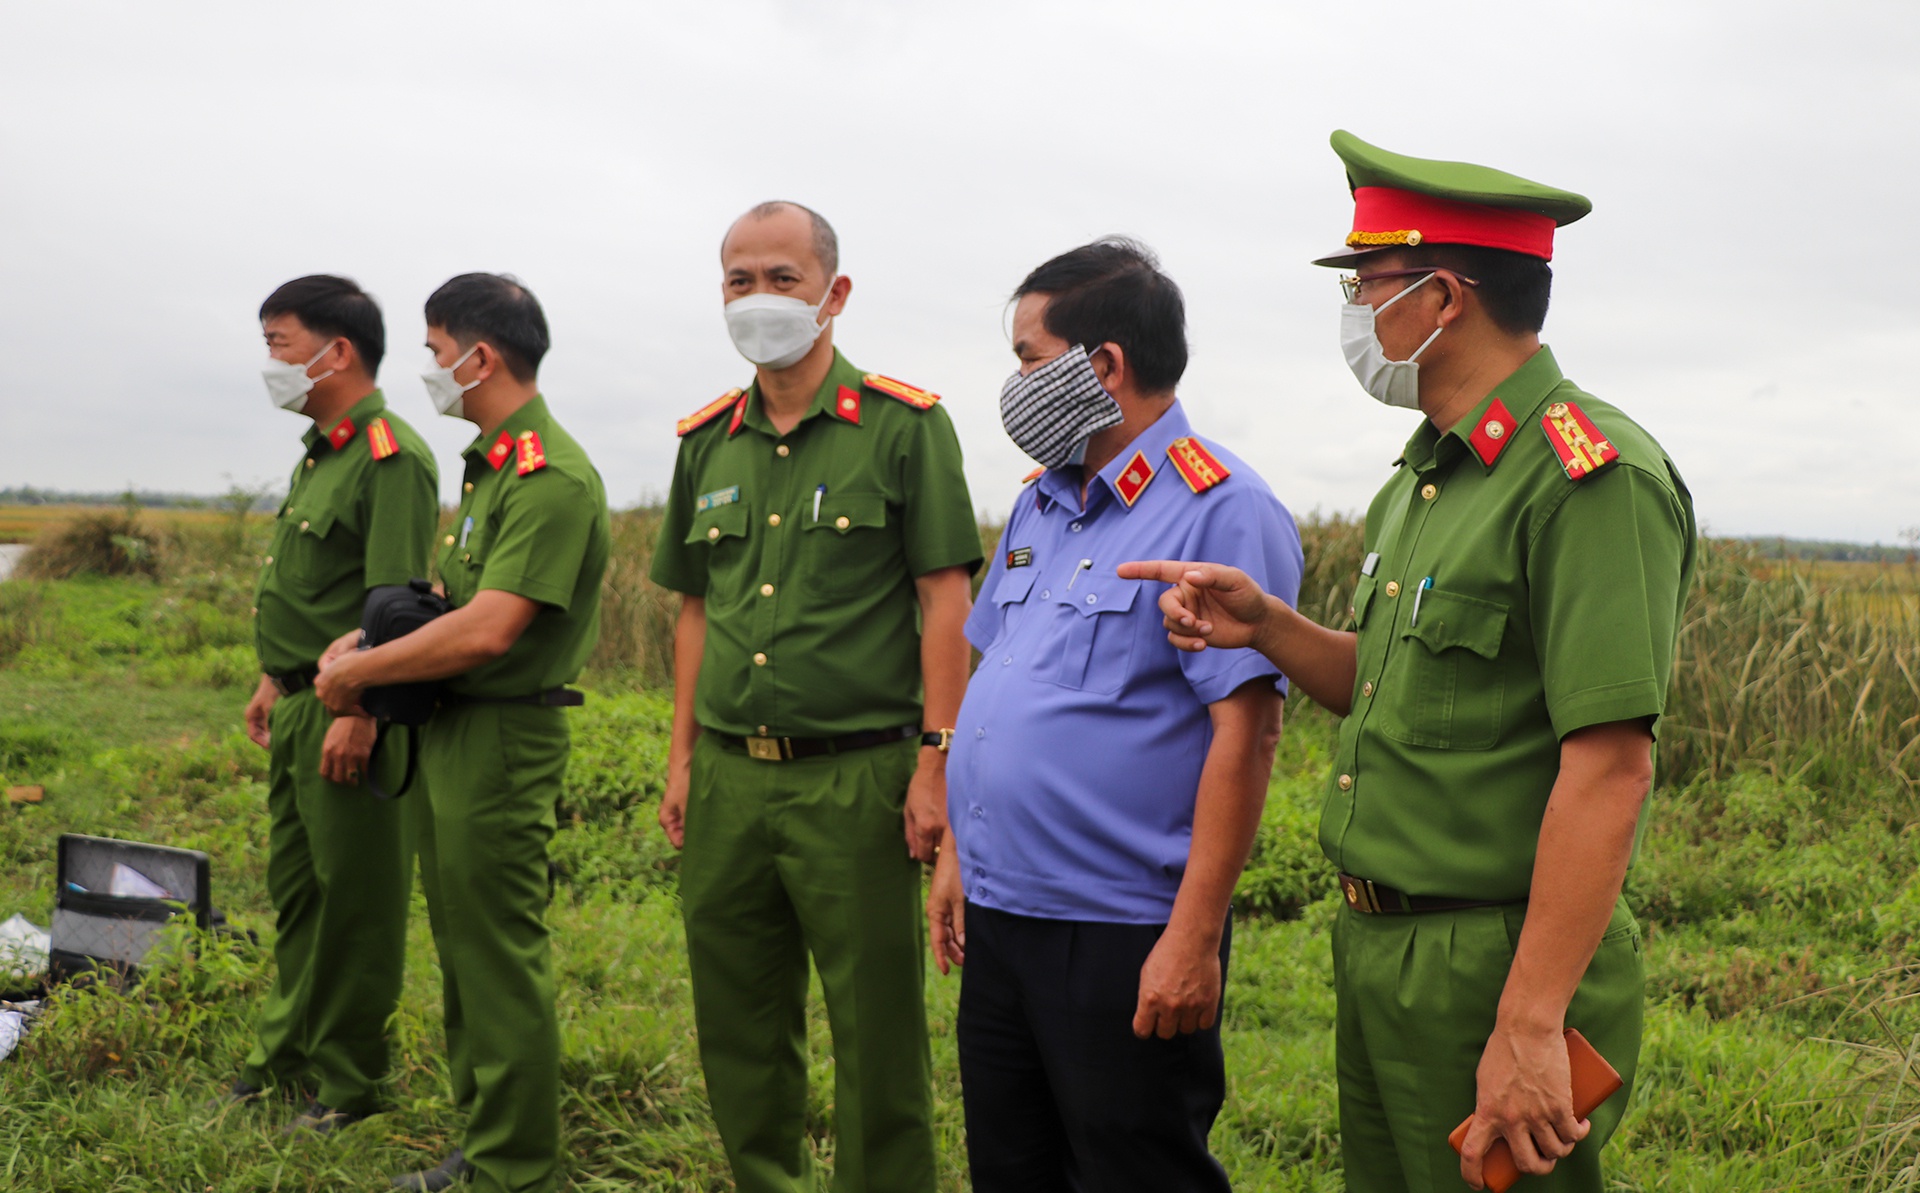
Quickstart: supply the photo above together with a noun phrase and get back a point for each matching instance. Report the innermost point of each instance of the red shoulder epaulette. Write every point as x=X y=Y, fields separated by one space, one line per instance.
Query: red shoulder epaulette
x=1583 y=451
x=1196 y=465
x=919 y=399
x=707 y=413
x=533 y=456
x=380 y=440
x=1033 y=476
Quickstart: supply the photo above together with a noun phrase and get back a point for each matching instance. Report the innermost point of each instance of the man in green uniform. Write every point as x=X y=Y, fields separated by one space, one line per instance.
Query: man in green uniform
x=1514 y=626
x=522 y=566
x=814 y=518
x=359 y=512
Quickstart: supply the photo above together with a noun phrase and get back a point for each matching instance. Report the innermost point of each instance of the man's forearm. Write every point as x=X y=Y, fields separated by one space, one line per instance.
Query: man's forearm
x=1319 y=661
x=450 y=645
x=1226 y=812
x=689 y=648
x=945 y=656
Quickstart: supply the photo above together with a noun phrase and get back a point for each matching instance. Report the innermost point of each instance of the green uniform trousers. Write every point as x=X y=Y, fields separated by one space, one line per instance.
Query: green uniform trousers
x=784 y=859
x=338 y=868
x=493 y=775
x=1417 y=996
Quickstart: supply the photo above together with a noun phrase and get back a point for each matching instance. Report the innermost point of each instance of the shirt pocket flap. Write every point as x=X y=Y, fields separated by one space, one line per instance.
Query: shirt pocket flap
x=1014 y=586
x=1092 y=594
x=721 y=522
x=316 y=524
x=1362 y=598
x=1447 y=620
x=848 y=512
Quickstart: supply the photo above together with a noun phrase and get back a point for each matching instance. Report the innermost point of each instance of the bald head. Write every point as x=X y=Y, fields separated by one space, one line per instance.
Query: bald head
x=782 y=218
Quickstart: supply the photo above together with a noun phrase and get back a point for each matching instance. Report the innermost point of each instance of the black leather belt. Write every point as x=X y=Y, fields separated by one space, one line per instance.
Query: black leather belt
x=1373 y=898
x=551 y=698
x=297 y=680
x=782 y=749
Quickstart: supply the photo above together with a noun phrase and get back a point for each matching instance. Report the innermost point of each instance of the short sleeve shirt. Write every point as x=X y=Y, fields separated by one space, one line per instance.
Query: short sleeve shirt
x=533 y=522
x=352 y=520
x=1077 y=755
x=805 y=547
x=1502 y=606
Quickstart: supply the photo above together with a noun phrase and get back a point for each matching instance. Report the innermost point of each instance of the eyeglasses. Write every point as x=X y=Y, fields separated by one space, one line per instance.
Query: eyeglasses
x=1350 y=284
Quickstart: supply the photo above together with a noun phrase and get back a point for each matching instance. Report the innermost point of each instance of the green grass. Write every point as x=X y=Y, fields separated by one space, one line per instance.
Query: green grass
x=1780 y=900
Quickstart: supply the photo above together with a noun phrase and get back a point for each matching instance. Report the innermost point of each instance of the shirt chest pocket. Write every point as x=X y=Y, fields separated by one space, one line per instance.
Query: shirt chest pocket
x=313 y=549
x=1444 y=681
x=844 y=548
x=723 y=531
x=1362 y=601
x=1089 y=644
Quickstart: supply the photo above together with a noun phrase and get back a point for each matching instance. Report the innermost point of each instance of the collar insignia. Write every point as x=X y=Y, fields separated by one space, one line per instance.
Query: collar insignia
x=501 y=449
x=1493 y=434
x=1134 y=479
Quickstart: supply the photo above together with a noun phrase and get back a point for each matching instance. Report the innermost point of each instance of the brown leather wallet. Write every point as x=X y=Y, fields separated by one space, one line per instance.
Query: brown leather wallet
x=1594 y=1081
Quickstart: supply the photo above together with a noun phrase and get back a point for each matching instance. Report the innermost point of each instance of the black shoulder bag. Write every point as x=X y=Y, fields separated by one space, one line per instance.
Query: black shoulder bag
x=394 y=611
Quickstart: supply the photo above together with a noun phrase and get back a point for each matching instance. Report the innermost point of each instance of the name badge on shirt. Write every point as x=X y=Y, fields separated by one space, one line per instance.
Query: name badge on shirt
x=1373 y=562
x=1020 y=557
x=716 y=499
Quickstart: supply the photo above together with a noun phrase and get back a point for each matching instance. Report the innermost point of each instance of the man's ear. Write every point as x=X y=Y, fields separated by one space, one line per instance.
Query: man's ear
x=1109 y=361
x=1455 y=290
x=837 y=295
x=486 y=362
x=341 y=355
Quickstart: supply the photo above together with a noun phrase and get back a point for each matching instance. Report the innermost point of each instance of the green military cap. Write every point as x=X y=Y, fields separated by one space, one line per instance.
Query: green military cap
x=1401 y=201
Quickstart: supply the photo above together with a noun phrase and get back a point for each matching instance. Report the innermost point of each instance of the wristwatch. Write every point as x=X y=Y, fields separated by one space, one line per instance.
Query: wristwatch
x=939 y=739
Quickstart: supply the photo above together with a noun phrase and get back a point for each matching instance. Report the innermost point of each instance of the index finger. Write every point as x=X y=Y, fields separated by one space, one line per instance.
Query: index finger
x=1166 y=571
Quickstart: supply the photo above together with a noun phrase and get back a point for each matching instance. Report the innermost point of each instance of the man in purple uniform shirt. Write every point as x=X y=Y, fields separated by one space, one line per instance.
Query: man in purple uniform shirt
x=1103 y=791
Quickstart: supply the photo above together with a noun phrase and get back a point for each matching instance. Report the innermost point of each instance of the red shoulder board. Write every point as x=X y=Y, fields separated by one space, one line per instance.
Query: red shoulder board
x=739 y=416
x=707 y=413
x=1583 y=451
x=919 y=399
x=846 y=404
x=1196 y=465
x=341 y=433
x=1033 y=476
x=1134 y=479
x=533 y=457
x=1495 y=431
x=380 y=440
x=500 y=451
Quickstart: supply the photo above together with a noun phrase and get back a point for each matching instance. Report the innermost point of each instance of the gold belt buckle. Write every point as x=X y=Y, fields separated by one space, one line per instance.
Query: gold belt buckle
x=769 y=749
x=1360 y=895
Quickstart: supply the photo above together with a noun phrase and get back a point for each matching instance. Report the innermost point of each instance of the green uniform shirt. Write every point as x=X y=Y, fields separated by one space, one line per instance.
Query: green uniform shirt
x=1553 y=605
x=542 y=535
x=805 y=547
x=349 y=522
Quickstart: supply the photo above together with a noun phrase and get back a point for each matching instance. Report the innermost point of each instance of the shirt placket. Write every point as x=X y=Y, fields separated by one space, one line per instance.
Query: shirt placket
x=774 y=586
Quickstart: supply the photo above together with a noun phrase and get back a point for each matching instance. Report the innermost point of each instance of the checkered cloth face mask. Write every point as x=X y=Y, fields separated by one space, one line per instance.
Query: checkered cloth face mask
x=1051 y=412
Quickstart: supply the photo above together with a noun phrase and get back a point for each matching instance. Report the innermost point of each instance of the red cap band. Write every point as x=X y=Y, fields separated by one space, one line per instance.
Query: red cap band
x=1384 y=216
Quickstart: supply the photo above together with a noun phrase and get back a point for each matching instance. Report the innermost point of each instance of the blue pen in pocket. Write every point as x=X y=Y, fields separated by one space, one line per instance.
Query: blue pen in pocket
x=1417 y=594
x=466 y=528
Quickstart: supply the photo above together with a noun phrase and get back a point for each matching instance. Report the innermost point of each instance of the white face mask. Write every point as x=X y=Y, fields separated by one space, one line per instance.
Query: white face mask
x=774 y=330
x=449 y=396
x=288 y=384
x=1394 y=382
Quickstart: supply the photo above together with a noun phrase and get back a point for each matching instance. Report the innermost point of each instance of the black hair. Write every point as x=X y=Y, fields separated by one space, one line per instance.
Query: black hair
x=826 y=243
x=1112 y=291
x=1514 y=287
x=496 y=308
x=329 y=306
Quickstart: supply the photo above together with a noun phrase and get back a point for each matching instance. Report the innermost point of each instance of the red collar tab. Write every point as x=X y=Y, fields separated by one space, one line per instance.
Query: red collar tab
x=341 y=433
x=846 y=404
x=1583 y=451
x=502 y=448
x=533 y=457
x=707 y=413
x=1384 y=216
x=380 y=440
x=1493 y=433
x=1134 y=479
x=739 y=416
x=917 y=398
x=1195 y=464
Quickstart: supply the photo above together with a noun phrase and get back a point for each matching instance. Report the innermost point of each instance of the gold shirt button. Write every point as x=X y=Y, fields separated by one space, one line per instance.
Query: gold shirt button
x=773 y=519
x=759 y=660
x=782 y=451
x=1429 y=492
x=269 y=561
x=841 y=523
x=1366 y=689
x=1346 y=782
x=766 y=590
x=467 y=558
x=763 y=731
x=448 y=540
x=713 y=532
x=1393 y=588
x=255 y=611
x=467 y=488
x=309 y=463
x=303 y=525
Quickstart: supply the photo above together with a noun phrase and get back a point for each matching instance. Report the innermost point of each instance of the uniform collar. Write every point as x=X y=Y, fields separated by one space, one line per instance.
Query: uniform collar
x=1061 y=486
x=531 y=417
x=351 y=423
x=1488 y=431
x=827 y=400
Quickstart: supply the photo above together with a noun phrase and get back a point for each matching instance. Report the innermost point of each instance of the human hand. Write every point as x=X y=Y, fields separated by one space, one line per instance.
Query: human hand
x=947 y=908
x=1179 y=987
x=344 y=644
x=348 y=745
x=337 y=686
x=1526 y=1098
x=673 y=806
x=1209 y=604
x=259 y=709
x=925 y=817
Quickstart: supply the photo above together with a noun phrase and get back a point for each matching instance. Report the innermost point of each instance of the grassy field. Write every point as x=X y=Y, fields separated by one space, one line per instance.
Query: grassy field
x=1777 y=886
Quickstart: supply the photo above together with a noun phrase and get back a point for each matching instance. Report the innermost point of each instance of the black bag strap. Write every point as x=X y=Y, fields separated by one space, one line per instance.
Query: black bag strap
x=413 y=755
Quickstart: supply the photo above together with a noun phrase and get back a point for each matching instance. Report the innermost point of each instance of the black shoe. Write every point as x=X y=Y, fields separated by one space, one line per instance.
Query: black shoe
x=240 y=1091
x=444 y=1175
x=321 y=1120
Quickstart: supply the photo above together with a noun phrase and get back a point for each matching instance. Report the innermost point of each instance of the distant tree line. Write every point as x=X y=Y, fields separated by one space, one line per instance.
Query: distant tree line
x=1827 y=549
x=132 y=498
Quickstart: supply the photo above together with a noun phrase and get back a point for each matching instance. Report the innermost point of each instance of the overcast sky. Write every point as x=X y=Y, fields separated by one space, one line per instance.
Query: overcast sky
x=1746 y=286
